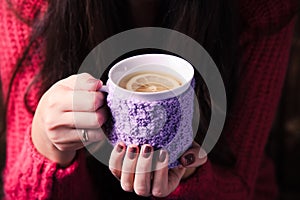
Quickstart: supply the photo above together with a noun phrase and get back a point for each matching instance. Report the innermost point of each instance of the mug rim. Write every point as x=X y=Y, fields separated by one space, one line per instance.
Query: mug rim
x=173 y=92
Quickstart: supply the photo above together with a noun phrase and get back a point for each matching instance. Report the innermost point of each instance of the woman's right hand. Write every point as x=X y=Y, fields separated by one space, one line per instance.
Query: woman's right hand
x=70 y=106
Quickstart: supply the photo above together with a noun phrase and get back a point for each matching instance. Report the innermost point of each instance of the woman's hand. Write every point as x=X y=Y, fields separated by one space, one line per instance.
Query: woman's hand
x=146 y=174
x=64 y=111
x=193 y=158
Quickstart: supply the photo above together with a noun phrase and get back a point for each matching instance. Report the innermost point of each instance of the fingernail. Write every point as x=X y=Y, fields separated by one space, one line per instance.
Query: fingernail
x=162 y=156
x=132 y=152
x=188 y=159
x=120 y=148
x=147 y=151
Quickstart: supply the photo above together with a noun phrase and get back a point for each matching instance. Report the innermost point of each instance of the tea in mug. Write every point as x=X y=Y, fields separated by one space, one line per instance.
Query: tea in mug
x=149 y=81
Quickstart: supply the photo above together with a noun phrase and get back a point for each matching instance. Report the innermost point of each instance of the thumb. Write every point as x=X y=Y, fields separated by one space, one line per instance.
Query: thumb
x=194 y=157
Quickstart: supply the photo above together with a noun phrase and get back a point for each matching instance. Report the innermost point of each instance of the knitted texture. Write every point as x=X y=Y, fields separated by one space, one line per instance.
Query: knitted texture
x=163 y=123
x=29 y=175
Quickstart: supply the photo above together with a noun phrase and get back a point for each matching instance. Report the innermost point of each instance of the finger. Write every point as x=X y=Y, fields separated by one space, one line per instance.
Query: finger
x=90 y=119
x=160 y=178
x=79 y=120
x=175 y=176
x=69 y=146
x=142 y=179
x=83 y=81
x=65 y=99
x=86 y=81
x=85 y=101
x=116 y=159
x=194 y=157
x=128 y=168
x=67 y=136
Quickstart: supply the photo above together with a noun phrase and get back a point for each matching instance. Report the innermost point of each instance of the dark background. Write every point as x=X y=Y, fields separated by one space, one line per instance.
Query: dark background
x=285 y=136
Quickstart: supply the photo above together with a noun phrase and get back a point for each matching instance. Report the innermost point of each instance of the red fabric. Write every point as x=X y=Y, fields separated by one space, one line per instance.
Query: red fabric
x=265 y=42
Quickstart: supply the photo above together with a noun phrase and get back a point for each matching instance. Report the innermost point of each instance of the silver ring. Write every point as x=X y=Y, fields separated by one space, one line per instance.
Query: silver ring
x=85 y=136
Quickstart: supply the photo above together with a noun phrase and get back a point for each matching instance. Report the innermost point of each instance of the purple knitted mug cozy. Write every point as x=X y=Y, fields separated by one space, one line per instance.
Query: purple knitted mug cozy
x=163 y=123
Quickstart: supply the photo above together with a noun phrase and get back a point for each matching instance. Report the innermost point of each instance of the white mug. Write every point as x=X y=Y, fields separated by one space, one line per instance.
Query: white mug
x=162 y=119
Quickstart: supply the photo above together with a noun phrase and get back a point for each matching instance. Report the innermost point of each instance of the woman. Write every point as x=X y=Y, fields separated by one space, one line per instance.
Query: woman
x=43 y=47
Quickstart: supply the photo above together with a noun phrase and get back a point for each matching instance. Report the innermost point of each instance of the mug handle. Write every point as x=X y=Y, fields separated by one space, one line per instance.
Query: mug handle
x=104 y=88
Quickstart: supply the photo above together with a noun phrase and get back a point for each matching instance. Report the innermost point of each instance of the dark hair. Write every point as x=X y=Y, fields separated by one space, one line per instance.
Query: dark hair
x=72 y=28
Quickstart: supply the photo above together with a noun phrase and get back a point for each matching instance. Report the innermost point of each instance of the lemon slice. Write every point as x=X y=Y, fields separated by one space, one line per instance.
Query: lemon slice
x=151 y=82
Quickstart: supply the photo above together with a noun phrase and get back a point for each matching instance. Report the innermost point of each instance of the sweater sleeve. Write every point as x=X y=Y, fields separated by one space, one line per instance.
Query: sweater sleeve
x=263 y=67
x=32 y=176
x=28 y=174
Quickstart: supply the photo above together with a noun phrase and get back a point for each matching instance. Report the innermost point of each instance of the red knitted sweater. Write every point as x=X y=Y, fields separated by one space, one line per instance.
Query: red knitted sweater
x=265 y=42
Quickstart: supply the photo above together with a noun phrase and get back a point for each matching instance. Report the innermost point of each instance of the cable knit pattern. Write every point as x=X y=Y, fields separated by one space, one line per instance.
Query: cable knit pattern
x=165 y=123
x=28 y=175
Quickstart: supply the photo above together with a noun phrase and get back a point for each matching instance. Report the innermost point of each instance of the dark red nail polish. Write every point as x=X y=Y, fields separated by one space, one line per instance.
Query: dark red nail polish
x=120 y=148
x=132 y=151
x=189 y=159
x=162 y=156
x=147 y=151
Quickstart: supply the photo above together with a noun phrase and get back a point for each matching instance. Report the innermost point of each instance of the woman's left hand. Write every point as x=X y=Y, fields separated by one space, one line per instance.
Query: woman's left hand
x=193 y=158
x=145 y=173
